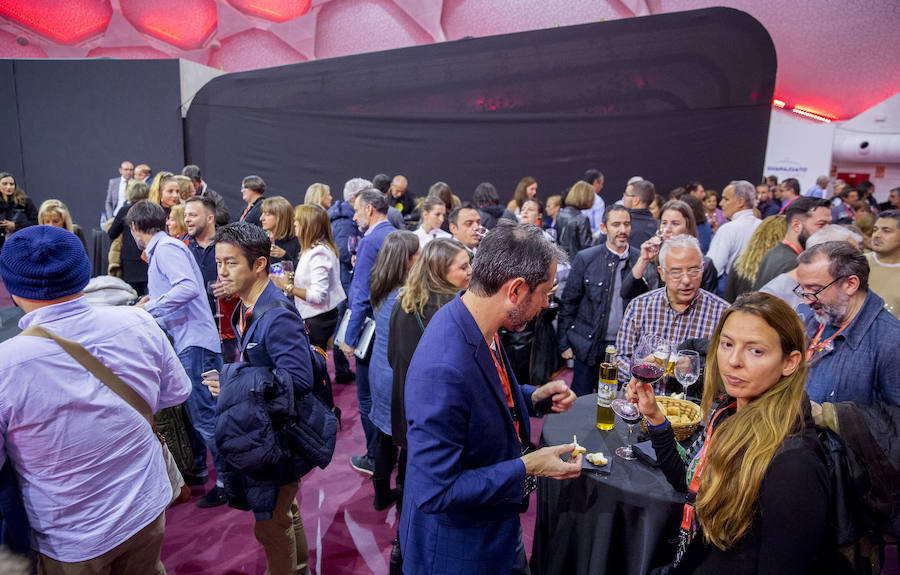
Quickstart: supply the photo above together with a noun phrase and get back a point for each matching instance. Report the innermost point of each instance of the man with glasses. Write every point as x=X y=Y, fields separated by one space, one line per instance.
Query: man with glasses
x=678 y=311
x=115 y=191
x=852 y=338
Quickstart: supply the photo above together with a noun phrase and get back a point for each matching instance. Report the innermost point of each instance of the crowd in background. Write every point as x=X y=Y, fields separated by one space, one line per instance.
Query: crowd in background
x=370 y=267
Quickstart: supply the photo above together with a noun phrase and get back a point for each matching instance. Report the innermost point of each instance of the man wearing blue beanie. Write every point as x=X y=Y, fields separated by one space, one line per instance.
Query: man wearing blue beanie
x=89 y=466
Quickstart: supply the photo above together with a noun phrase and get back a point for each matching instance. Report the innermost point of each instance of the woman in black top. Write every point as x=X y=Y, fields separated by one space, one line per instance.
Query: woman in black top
x=277 y=220
x=134 y=268
x=573 y=229
x=17 y=211
x=760 y=483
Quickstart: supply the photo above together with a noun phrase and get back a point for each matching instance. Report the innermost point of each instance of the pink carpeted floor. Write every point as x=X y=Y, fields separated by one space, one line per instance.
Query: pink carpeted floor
x=345 y=535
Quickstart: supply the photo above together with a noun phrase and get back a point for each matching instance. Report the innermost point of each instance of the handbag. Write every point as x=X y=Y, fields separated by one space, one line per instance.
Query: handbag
x=120 y=388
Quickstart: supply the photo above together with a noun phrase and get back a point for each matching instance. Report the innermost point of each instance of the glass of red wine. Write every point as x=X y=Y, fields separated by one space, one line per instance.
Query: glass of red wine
x=630 y=414
x=650 y=359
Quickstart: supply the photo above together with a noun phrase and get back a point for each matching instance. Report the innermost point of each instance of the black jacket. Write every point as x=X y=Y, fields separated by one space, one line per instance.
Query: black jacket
x=643 y=227
x=573 y=231
x=134 y=268
x=491 y=214
x=22 y=216
x=254 y=214
x=584 y=304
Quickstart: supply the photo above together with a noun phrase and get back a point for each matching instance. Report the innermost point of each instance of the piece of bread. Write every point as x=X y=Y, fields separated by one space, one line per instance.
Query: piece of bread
x=597 y=459
x=578 y=449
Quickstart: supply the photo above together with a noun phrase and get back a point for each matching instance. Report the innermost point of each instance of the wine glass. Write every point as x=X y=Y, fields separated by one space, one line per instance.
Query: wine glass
x=631 y=415
x=650 y=359
x=687 y=368
x=211 y=287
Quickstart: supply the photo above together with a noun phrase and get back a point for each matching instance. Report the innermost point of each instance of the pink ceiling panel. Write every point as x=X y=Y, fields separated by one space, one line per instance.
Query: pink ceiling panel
x=185 y=24
x=68 y=22
x=10 y=48
x=352 y=27
x=274 y=10
x=253 y=49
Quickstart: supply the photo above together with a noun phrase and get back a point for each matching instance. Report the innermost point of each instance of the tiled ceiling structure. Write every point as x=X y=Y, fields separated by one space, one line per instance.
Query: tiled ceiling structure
x=837 y=58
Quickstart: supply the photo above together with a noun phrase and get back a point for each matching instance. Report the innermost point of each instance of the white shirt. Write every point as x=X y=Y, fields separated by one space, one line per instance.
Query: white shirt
x=731 y=239
x=319 y=273
x=425 y=237
x=123 y=185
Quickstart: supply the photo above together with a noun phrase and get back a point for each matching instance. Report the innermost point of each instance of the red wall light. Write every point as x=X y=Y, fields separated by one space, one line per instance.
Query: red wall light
x=68 y=23
x=185 y=24
x=274 y=10
x=805 y=112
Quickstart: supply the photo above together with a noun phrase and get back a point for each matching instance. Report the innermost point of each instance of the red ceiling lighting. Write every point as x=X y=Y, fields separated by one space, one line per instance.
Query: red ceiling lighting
x=68 y=23
x=274 y=10
x=185 y=24
x=805 y=112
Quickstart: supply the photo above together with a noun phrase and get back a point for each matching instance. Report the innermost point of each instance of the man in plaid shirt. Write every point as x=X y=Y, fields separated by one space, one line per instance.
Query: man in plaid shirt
x=678 y=311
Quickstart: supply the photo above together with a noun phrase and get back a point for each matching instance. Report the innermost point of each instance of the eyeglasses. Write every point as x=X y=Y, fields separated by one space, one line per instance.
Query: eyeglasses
x=692 y=273
x=814 y=296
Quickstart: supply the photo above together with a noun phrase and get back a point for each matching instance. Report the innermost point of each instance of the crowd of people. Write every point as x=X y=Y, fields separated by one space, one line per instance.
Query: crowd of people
x=457 y=317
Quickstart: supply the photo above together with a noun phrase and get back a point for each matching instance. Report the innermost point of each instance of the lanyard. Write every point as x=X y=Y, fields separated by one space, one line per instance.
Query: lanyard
x=504 y=379
x=687 y=517
x=789 y=202
x=815 y=345
x=791 y=245
x=244 y=317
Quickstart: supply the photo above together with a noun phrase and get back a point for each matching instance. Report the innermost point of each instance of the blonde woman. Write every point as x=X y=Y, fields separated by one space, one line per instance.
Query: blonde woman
x=743 y=273
x=154 y=192
x=185 y=187
x=317 y=289
x=55 y=213
x=277 y=219
x=761 y=489
x=318 y=194
x=175 y=222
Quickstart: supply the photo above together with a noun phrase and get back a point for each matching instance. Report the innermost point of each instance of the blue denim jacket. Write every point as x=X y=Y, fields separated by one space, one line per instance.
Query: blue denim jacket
x=863 y=365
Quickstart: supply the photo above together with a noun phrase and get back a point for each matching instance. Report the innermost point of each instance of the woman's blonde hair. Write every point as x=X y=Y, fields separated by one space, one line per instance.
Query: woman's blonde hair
x=185 y=187
x=314 y=227
x=284 y=216
x=428 y=275
x=136 y=190
x=176 y=214
x=742 y=447
x=156 y=186
x=581 y=195
x=316 y=194
x=58 y=208
x=767 y=235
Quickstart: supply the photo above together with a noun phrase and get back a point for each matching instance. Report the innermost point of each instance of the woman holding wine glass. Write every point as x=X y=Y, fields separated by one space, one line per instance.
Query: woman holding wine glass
x=760 y=487
x=277 y=220
x=676 y=218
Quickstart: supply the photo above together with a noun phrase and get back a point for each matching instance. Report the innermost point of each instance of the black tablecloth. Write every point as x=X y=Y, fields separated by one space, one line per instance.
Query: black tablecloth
x=622 y=523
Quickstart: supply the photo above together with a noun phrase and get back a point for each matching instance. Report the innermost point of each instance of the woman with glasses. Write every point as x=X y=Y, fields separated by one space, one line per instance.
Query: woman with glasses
x=675 y=218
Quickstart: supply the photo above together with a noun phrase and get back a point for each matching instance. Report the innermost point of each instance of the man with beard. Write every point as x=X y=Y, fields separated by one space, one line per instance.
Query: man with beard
x=884 y=261
x=591 y=305
x=468 y=416
x=853 y=340
x=678 y=311
x=804 y=217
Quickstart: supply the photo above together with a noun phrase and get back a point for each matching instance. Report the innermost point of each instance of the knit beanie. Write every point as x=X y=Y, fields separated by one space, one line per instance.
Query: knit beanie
x=44 y=263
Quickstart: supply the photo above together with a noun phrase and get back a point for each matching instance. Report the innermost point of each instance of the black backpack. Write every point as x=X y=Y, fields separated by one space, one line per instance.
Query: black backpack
x=318 y=358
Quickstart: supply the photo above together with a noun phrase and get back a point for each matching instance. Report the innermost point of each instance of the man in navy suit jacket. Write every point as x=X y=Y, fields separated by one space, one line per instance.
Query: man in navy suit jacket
x=276 y=340
x=370 y=215
x=468 y=417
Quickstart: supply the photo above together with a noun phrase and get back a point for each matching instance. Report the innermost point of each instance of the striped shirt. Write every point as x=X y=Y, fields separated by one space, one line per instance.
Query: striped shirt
x=651 y=313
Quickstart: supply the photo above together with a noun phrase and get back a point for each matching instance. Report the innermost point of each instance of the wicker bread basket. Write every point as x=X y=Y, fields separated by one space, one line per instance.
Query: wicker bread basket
x=689 y=411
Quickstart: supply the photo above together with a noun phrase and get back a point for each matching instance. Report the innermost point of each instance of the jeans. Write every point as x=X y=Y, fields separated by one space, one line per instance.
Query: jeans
x=201 y=405
x=584 y=378
x=364 y=396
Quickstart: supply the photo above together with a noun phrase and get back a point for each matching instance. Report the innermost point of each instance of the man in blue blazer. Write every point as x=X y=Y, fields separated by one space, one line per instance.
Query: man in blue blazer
x=370 y=215
x=468 y=417
x=276 y=340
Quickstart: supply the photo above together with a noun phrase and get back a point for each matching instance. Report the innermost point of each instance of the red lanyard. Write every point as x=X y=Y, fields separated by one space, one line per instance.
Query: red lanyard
x=687 y=516
x=815 y=346
x=504 y=379
x=791 y=245
x=243 y=318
